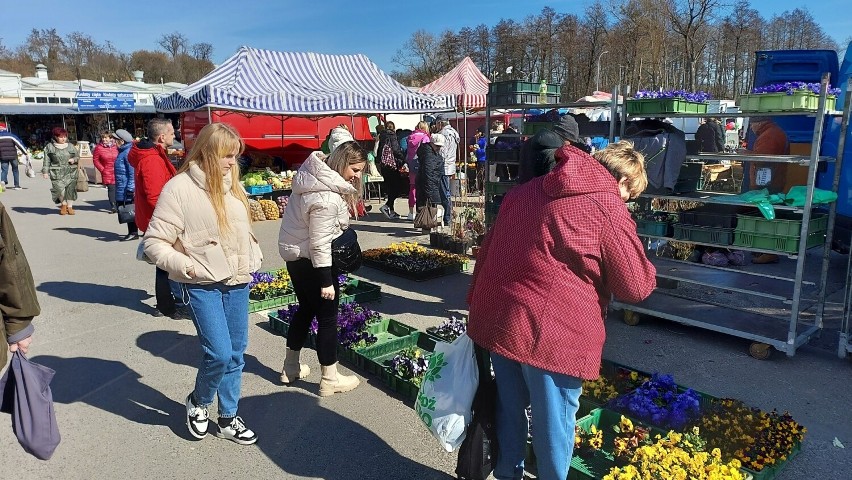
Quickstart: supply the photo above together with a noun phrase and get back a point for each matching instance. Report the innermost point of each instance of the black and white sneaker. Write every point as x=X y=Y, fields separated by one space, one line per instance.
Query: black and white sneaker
x=236 y=431
x=197 y=418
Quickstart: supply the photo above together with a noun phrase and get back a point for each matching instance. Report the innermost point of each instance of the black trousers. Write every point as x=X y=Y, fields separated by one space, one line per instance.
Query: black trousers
x=307 y=284
x=111 y=195
x=163 y=293
x=393 y=186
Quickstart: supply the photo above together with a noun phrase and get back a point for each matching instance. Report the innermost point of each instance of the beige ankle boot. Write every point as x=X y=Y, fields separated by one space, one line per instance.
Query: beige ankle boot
x=293 y=370
x=333 y=382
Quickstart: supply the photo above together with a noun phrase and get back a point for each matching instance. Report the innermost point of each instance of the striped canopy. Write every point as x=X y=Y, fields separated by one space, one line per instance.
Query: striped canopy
x=466 y=82
x=301 y=84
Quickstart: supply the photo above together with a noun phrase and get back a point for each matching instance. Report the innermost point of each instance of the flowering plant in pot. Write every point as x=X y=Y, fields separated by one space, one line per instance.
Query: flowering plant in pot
x=412 y=257
x=352 y=322
x=264 y=285
x=450 y=329
x=410 y=364
x=586 y=443
x=659 y=402
x=790 y=88
x=697 y=97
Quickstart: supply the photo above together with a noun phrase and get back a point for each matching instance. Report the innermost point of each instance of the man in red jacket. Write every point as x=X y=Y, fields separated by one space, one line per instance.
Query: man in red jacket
x=152 y=170
x=562 y=245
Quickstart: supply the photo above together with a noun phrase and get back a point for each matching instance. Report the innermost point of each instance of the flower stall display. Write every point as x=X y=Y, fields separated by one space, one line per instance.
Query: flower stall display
x=410 y=364
x=449 y=330
x=652 y=102
x=761 y=441
x=353 y=322
x=268 y=290
x=787 y=97
x=660 y=402
x=414 y=261
x=677 y=456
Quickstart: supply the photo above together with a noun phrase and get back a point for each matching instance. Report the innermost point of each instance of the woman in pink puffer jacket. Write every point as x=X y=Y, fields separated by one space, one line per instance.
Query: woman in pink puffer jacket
x=418 y=136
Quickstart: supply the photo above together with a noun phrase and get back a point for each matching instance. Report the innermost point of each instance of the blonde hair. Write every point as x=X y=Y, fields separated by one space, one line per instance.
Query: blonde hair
x=348 y=153
x=623 y=161
x=422 y=126
x=216 y=141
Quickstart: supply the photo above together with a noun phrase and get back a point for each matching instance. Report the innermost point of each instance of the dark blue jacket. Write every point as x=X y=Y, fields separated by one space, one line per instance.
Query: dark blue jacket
x=124 y=183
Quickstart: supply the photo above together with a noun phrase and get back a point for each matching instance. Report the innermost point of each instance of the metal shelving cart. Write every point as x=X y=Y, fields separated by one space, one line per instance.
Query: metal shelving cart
x=763 y=330
x=845 y=343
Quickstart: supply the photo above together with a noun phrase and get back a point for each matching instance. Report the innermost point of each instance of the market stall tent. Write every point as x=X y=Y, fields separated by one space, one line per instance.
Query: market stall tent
x=466 y=82
x=301 y=84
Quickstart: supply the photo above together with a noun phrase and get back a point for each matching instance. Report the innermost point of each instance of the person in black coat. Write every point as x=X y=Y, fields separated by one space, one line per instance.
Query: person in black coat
x=389 y=167
x=430 y=170
x=710 y=136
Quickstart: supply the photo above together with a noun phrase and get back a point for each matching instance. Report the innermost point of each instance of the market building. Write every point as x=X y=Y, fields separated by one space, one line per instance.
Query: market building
x=32 y=106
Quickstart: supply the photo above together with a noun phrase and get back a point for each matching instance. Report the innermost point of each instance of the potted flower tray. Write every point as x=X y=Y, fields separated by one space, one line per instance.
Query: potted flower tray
x=649 y=106
x=355 y=290
x=271 y=303
x=415 y=274
x=378 y=360
x=386 y=330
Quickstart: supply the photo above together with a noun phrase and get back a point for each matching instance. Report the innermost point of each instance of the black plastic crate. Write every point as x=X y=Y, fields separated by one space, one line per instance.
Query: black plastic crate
x=719 y=216
x=497 y=155
x=691 y=177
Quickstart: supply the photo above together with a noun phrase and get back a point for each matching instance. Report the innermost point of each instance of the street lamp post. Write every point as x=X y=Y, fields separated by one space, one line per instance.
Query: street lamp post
x=598 y=75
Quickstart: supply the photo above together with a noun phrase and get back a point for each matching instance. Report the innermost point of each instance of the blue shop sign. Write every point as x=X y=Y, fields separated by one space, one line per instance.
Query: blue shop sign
x=104 y=101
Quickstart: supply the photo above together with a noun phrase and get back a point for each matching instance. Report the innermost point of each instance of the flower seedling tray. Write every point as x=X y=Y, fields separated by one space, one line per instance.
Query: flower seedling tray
x=281 y=327
x=664 y=105
x=377 y=358
x=272 y=303
x=361 y=292
x=772 y=471
x=799 y=101
x=417 y=276
x=695 y=233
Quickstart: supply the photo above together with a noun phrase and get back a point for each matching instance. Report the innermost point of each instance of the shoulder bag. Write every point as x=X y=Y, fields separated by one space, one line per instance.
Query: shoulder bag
x=126 y=213
x=345 y=252
x=427 y=217
x=82 y=180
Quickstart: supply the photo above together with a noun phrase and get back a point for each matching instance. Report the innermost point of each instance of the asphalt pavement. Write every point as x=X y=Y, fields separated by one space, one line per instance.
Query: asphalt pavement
x=122 y=373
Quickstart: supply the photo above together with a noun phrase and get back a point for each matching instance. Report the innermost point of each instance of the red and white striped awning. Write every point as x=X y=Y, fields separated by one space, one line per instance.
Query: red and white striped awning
x=465 y=81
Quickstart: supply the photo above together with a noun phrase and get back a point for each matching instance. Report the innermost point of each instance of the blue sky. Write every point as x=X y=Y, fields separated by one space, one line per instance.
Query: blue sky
x=377 y=29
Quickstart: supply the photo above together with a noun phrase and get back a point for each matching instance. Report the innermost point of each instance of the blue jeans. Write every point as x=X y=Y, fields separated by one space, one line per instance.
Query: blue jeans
x=554 y=399
x=220 y=315
x=445 y=199
x=4 y=172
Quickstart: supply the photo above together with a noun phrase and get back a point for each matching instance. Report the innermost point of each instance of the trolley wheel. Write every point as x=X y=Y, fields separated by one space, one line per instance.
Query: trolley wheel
x=760 y=351
x=632 y=318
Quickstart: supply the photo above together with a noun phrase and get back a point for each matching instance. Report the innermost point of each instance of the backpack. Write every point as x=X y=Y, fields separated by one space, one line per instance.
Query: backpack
x=387 y=156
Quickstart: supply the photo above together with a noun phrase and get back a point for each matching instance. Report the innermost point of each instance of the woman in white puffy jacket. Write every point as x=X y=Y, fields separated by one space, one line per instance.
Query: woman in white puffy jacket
x=200 y=233
x=325 y=190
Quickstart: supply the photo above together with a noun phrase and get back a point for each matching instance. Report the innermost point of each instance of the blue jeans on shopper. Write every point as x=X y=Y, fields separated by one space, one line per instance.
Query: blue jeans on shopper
x=554 y=399
x=4 y=172
x=445 y=199
x=220 y=314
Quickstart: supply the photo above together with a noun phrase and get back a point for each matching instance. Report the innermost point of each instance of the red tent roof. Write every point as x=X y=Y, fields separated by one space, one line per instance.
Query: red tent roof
x=466 y=81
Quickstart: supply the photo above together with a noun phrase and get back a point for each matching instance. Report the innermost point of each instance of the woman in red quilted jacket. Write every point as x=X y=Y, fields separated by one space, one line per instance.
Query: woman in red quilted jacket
x=104 y=157
x=561 y=246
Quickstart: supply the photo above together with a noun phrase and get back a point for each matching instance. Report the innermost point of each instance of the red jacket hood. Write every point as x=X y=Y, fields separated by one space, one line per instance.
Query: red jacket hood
x=142 y=149
x=577 y=173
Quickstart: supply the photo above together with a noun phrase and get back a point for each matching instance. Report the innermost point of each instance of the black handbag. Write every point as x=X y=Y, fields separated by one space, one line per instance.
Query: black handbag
x=478 y=452
x=345 y=252
x=126 y=213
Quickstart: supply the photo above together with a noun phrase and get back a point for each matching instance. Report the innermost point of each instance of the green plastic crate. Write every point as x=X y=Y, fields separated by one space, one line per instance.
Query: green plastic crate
x=786 y=224
x=799 y=101
x=495 y=155
x=376 y=361
x=650 y=106
x=770 y=472
x=778 y=243
x=531 y=128
x=272 y=303
x=282 y=328
x=651 y=227
x=512 y=99
x=362 y=292
x=696 y=233
x=690 y=177
x=518 y=86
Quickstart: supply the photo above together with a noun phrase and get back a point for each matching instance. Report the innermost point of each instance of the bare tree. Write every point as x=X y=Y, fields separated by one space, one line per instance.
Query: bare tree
x=44 y=46
x=690 y=20
x=173 y=43
x=419 y=57
x=202 y=51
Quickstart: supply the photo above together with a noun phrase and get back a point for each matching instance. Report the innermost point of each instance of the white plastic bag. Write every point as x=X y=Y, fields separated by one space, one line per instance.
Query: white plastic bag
x=446 y=394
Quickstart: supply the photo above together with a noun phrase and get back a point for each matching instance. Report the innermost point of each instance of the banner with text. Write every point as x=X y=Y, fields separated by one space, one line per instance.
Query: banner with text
x=105 y=101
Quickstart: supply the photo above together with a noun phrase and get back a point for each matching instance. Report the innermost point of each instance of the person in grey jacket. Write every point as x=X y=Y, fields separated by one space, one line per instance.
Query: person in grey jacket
x=325 y=190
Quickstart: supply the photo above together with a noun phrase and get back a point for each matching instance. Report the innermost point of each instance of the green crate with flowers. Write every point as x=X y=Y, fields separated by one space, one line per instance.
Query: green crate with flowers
x=270 y=290
x=652 y=102
x=614 y=380
x=401 y=363
x=449 y=330
x=787 y=97
x=764 y=442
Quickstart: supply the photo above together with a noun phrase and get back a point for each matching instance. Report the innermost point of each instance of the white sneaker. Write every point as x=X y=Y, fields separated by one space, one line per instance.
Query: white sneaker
x=410 y=216
x=236 y=431
x=386 y=211
x=197 y=419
